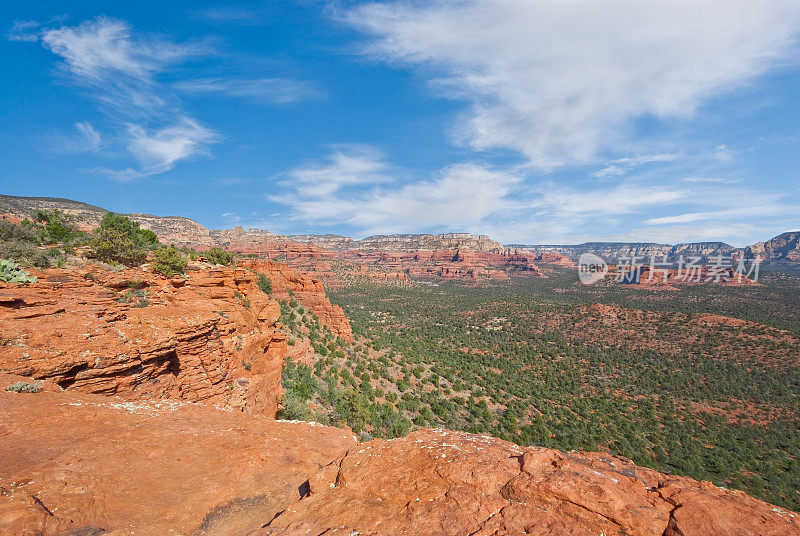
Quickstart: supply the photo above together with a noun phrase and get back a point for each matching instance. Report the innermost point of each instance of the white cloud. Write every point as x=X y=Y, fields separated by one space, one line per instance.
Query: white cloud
x=24 y=30
x=621 y=166
x=271 y=90
x=456 y=196
x=87 y=139
x=118 y=68
x=625 y=198
x=349 y=166
x=158 y=150
x=560 y=81
x=120 y=71
x=240 y=15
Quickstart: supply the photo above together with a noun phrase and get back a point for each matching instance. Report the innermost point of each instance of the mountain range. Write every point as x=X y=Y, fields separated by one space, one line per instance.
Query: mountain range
x=783 y=249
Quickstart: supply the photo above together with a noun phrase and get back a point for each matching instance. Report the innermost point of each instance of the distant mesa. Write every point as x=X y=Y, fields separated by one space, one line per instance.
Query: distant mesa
x=460 y=256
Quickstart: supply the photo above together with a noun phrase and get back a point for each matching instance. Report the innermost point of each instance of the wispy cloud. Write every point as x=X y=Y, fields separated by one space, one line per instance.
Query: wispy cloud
x=24 y=30
x=621 y=166
x=120 y=71
x=269 y=90
x=562 y=81
x=239 y=15
x=84 y=139
x=455 y=196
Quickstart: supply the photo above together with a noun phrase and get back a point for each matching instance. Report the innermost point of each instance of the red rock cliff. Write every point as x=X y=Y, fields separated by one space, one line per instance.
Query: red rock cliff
x=213 y=337
x=307 y=289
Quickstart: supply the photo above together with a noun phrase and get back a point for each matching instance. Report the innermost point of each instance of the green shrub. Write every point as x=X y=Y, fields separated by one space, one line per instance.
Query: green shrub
x=113 y=246
x=169 y=262
x=265 y=284
x=218 y=256
x=15 y=232
x=25 y=254
x=11 y=272
x=119 y=240
x=24 y=387
x=54 y=227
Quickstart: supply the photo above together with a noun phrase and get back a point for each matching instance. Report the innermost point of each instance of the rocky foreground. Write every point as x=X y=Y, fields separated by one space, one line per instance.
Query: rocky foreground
x=81 y=464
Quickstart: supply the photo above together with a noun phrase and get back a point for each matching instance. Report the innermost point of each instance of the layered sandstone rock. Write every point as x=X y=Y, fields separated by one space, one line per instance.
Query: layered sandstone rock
x=437 y=482
x=784 y=248
x=81 y=464
x=73 y=463
x=212 y=337
x=308 y=290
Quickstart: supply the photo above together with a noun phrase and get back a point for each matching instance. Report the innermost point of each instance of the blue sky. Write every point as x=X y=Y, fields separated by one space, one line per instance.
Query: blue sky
x=553 y=121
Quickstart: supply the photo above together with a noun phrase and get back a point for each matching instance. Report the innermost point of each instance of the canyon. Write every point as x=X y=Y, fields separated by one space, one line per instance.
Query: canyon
x=134 y=403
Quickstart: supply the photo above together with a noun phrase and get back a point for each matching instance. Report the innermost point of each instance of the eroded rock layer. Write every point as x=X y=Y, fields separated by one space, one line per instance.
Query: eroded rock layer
x=213 y=337
x=74 y=463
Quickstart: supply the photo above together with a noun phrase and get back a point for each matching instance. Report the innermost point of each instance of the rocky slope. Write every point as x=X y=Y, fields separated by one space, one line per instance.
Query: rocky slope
x=784 y=248
x=82 y=464
x=614 y=250
x=211 y=337
x=286 y=283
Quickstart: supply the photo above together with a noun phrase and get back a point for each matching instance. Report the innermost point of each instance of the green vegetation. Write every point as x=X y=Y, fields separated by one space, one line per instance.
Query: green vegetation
x=138 y=297
x=24 y=387
x=169 y=262
x=54 y=227
x=11 y=272
x=338 y=389
x=42 y=242
x=120 y=240
x=533 y=363
x=218 y=256
x=265 y=284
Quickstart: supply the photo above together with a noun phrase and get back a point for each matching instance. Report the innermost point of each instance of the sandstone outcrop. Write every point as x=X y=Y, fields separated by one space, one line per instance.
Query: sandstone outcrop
x=309 y=291
x=74 y=463
x=81 y=464
x=212 y=337
x=783 y=249
x=439 y=482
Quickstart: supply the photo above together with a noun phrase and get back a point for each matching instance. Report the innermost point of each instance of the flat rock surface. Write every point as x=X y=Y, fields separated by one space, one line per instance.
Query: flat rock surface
x=75 y=463
x=82 y=464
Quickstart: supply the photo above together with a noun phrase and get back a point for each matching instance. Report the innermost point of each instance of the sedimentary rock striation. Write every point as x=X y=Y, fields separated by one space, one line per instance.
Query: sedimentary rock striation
x=213 y=336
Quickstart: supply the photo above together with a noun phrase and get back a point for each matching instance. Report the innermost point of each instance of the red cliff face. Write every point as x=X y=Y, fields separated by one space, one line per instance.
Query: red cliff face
x=74 y=463
x=308 y=290
x=213 y=337
x=447 y=264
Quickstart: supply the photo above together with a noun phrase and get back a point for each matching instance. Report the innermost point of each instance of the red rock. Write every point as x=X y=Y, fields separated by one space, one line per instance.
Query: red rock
x=73 y=463
x=308 y=290
x=437 y=482
x=191 y=342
